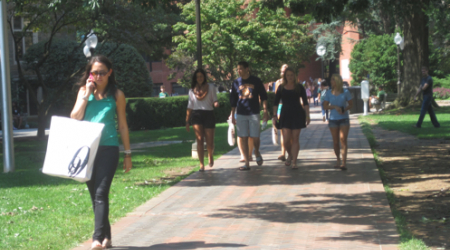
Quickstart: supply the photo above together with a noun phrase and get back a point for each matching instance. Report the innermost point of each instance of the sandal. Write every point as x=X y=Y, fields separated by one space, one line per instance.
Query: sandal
x=287 y=163
x=244 y=168
x=107 y=243
x=96 y=245
x=282 y=158
x=343 y=168
x=294 y=167
x=242 y=160
x=259 y=160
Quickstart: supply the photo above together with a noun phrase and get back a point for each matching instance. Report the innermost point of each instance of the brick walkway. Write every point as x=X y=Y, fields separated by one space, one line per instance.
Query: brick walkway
x=272 y=206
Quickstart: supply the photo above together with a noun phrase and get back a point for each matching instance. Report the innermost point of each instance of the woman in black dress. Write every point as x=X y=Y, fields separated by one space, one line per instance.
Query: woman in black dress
x=294 y=116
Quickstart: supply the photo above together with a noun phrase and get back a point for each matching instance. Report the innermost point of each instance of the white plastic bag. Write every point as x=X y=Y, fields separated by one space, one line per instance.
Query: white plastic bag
x=71 y=149
x=275 y=136
x=231 y=134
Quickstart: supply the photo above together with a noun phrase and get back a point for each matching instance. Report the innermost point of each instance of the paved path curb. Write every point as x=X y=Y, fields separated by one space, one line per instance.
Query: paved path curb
x=272 y=206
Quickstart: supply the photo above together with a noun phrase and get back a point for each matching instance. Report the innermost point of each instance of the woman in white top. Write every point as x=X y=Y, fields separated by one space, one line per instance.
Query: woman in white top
x=200 y=110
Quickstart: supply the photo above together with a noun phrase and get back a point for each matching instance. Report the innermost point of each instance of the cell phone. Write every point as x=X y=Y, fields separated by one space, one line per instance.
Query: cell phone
x=91 y=77
x=342 y=108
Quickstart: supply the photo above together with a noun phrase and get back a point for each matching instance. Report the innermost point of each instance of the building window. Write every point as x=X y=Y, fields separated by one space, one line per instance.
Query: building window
x=178 y=89
x=29 y=39
x=156 y=89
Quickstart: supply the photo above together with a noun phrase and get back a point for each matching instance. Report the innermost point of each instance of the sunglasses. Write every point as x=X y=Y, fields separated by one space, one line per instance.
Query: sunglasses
x=101 y=73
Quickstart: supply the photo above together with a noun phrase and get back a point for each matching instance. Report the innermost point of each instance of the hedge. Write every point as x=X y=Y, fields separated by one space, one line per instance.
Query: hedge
x=156 y=113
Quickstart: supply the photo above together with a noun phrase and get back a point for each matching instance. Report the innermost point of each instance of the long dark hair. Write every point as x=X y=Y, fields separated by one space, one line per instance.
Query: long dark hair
x=111 y=88
x=194 y=78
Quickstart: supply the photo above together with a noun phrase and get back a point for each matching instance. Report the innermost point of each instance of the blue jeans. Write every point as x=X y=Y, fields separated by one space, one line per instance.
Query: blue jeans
x=426 y=106
x=324 y=111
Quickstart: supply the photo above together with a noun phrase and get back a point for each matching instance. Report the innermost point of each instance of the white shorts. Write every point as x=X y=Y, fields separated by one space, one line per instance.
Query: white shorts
x=248 y=125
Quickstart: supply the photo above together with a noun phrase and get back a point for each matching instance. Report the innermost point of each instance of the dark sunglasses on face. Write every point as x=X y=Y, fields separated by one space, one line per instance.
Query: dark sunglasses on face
x=101 y=73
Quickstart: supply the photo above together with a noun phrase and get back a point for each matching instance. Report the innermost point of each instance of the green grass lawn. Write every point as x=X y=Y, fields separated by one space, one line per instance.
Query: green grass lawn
x=43 y=212
x=403 y=119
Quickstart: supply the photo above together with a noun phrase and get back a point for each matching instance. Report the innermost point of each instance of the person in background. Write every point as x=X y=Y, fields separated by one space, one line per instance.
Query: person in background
x=246 y=93
x=282 y=156
x=200 y=110
x=322 y=92
x=163 y=93
x=315 y=92
x=426 y=87
x=100 y=101
x=339 y=101
x=309 y=88
x=17 y=119
x=378 y=99
x=293 y=115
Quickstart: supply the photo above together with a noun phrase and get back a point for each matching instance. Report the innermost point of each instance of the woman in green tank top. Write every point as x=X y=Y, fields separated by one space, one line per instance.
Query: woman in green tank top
x=100 y=101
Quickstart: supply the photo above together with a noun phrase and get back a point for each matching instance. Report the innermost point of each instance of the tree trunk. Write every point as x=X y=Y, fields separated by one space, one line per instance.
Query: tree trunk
x=41 y=121
x=415 y=53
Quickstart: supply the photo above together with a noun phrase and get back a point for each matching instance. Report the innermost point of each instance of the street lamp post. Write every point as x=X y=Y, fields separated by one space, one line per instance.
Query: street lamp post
x=91 y=43
x=8 y=142
x=321 y=50
x=199 y=34
x=399 y=41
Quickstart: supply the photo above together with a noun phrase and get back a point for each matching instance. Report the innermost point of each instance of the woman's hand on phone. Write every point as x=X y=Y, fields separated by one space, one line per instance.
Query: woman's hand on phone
x=90 y=85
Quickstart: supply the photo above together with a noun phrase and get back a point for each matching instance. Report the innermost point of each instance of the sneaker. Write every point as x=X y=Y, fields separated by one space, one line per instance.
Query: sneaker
x=415 y=126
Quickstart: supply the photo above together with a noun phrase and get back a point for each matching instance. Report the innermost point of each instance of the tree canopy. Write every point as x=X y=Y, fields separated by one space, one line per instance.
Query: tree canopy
x=375 y=59
x=233 y=32
x=146 y=25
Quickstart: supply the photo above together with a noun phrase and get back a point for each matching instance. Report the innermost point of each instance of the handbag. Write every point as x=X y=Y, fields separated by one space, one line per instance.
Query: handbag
x=231 y=134
x=71 y=149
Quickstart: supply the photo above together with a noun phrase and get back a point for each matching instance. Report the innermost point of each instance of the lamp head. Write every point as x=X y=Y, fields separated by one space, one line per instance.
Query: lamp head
x=398 y=39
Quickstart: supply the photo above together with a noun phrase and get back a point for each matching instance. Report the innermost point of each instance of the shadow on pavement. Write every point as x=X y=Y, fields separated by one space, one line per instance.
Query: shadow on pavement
x=183 y=245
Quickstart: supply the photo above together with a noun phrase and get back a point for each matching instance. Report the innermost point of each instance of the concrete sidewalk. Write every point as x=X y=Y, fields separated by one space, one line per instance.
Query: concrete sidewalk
x=272 y=206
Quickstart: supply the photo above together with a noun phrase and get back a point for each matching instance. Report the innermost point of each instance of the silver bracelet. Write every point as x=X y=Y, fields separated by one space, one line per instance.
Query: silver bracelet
x=127 y=152
x=85 y=98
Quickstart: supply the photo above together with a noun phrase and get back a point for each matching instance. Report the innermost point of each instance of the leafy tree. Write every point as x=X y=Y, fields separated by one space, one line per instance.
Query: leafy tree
x=411 y=16
x=143 y=24
x=266 y=38
x=131 y=72
x=376 y=57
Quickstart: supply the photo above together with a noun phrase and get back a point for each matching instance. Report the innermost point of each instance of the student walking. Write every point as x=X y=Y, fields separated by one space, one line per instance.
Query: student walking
x=323 y=91
x=246 y=92
x=282 y=156
x=200 y=110
x=293 y=115
x=100 y=101
x=426 y=87
x=339 y=101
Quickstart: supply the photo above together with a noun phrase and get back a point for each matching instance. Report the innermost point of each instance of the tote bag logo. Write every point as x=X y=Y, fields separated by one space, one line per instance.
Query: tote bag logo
x=79 y=161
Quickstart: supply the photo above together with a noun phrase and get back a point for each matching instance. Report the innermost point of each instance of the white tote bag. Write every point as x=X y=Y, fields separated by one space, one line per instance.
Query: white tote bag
x=231 y=136
x=72 y=147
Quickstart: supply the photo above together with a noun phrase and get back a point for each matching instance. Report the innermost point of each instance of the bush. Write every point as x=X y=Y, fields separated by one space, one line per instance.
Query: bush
x=156 y=113
x=443 y=82
x=441 y=93
x=376 y=57
x=66 y=58
x=132 y=74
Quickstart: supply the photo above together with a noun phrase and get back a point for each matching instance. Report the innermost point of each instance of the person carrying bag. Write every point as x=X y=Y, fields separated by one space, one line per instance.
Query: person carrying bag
x=99 y=101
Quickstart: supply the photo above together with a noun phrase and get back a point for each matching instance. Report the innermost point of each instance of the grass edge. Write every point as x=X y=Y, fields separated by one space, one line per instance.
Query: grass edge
x=407 y=239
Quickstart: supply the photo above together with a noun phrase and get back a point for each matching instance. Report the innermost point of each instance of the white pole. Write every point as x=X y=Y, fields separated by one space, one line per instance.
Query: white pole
x=8 y=146
x=366 y=104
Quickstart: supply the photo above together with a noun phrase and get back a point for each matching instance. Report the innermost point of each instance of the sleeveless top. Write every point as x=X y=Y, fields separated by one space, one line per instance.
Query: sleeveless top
x=103 y=111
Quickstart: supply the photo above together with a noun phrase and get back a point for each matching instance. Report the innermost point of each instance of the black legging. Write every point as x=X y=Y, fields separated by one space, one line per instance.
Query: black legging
x=105 y=166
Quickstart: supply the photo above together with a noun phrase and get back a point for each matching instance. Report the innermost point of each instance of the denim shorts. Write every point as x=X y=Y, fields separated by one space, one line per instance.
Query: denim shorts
x=338 y=123
x=248 y=125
